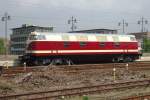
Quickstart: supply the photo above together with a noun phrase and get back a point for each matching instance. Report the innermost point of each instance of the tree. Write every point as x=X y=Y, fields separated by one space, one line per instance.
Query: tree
x=146 y=45
x=2 y=46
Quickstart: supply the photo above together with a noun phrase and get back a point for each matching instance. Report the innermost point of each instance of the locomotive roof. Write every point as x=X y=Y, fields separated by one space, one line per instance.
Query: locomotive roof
x=84 y=37
x=96 y=34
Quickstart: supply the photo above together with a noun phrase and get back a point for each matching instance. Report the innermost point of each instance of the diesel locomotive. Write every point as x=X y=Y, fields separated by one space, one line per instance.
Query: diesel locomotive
x=72 y=48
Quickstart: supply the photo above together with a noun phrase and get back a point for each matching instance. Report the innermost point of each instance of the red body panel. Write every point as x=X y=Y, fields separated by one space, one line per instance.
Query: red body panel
x=59 y=45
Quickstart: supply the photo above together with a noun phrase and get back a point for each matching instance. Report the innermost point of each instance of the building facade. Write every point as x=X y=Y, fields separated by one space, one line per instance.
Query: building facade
x=140 y=36
x=100 y=31
x=20 y=35
x=143 y=39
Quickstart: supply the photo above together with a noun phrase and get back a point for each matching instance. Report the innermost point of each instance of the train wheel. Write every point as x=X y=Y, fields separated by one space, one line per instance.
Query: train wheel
x=46 y=61
x=36 y=62
x=115 y=60
x=39 y=62
x=69 y=62
x=57 y=61
x=60 y=61
x=128 y=59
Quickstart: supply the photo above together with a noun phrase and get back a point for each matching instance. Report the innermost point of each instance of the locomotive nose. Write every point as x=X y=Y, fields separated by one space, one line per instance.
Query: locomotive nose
x=31 y=46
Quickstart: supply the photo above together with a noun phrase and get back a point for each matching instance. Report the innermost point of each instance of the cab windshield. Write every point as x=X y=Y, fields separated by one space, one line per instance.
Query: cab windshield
x=37 y=37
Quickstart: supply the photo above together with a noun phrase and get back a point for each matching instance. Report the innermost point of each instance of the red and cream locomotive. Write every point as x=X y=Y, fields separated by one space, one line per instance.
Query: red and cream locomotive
x=68 y=48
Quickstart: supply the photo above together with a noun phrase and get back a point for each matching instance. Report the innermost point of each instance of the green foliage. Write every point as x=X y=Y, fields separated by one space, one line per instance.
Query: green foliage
x=146 y=45
x=2 y=46
x=85 y=98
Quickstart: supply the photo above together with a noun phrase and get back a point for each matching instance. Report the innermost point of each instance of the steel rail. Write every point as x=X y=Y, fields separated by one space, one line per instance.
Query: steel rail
x=77 y=91
x=140 y=97
x=132 y=66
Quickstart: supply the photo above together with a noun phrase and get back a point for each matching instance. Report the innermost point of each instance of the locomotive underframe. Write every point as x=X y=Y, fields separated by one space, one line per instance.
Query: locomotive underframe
x=78 y=59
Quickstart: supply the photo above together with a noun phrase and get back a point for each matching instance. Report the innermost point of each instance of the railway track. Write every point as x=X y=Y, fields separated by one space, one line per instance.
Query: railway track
x=141 y=97
x=15 y=70
x=42 y=95
x=73 y=68
x=107 y=66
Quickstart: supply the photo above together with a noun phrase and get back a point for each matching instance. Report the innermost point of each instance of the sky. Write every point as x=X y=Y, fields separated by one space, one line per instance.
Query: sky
x=90 y=14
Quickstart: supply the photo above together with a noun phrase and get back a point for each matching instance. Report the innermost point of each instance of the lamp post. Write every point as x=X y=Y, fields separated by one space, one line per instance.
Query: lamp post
x=5 y=18
x=123 y=23
x=143 y=21
x=72 y=21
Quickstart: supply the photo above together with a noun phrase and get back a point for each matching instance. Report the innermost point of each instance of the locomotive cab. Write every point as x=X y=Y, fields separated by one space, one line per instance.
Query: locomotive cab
x=30 y=46
x=34 y=37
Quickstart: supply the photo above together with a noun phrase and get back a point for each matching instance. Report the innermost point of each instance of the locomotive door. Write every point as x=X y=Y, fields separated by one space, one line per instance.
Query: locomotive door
x=54 y=49
x=126 y=46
